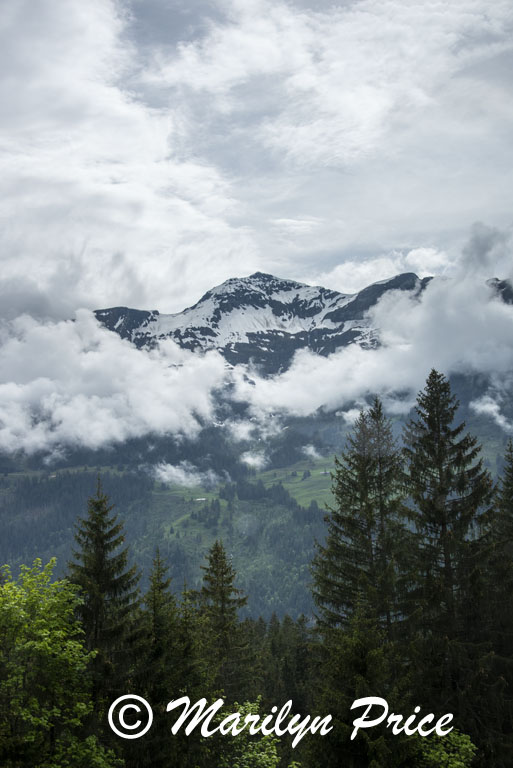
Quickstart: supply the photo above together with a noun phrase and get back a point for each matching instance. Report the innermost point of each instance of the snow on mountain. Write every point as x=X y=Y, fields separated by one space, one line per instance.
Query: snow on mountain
x=262 y=319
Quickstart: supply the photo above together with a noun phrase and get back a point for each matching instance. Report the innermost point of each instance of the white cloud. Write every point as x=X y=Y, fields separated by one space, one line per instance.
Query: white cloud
x=185 y=474
x=488 y=406
x=273 y=136
x=240 y=430
x=346 y=77
x=311 y=452
x=254 y=459
x=95 y=190
x=77 y=384
x=389 y=127
x=339 y=144
x=457 y=326
x=73 y=383
x=351 y=276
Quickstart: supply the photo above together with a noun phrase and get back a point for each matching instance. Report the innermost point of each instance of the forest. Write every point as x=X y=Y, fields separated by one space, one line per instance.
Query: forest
x=412 y=595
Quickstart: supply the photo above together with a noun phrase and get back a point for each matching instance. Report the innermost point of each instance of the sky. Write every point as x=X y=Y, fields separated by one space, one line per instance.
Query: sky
x=151 y=149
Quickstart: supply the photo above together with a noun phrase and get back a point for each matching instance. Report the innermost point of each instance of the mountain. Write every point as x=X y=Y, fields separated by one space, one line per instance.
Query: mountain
x=262 y=319
x=268 y=518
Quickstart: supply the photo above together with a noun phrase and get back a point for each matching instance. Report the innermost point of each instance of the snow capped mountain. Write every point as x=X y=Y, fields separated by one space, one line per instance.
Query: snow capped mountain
x=262 y=319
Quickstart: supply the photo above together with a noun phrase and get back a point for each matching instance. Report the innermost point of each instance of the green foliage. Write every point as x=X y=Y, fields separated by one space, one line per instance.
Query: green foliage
x=356 y=588
x=451 y=492
x=419 y=614
x=244 y=750
x=452 y=496
x=220 y=601
x=45 y=695
x=359 y=662
x=108 y=611
x=157 y=668
x=452 y=751
x=366 y=527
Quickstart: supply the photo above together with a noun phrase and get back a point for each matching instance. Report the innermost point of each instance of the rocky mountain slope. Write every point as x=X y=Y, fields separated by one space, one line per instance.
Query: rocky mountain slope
x=262 y=319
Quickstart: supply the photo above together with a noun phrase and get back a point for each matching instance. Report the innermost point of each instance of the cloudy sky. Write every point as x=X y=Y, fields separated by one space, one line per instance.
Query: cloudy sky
x=151 y=149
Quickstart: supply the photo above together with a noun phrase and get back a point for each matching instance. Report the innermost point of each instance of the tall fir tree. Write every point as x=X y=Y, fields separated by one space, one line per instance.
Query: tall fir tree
x=367 y=535
x=157 y=670
x=451 y=495
x=356 y=662
x=502 y=562
x=110 y=595
x=450 y=490
x=221 y=601
x=357 y=592
x=496 y=619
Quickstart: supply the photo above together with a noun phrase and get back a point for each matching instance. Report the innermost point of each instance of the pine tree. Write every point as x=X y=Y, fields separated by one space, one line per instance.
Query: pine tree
x=196 y=673
x=110 y=598
x=357 y=591
x=221 y=601
x=157 y=669
x=359 y=661
x=496 y=620
x=366 y=530
x=450 y=490
x=502 y=560
x=392 y=538
x=451 y=495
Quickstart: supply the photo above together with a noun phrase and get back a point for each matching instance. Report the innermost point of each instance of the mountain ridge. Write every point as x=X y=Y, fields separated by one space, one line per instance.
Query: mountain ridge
x=262 y=319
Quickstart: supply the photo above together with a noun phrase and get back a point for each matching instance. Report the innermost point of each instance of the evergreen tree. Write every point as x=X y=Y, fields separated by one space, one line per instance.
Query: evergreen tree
x=197 y=674
x=157 y=669
x=110 y=599
x=356 y=588
x=450 y=490
x=221 y=601
x=451 y=495
x=502 y=561
x=496 y=621
x=356 y=662
x=366 y=536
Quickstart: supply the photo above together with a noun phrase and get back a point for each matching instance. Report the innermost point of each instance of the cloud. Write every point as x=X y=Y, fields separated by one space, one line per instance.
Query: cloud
x=240 y=430
x=96 y=193
x=73 y=383
x=457 y=326
x=77 y=384
x=347 y=132
x=185 y=474
x=488 y=252
x=311 y=452
x=23 y=295
x=352 y=275
x=254 y=459
x=488 y=406
x=338 y=144
x=346 y=76
x=152 y=149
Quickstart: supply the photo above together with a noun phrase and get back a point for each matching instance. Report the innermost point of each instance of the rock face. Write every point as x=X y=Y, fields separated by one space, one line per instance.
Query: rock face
x=262 y=320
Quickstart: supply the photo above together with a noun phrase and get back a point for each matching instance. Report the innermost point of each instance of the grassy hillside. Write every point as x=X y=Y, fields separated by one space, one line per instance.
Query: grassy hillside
x=314 y=487
x=269 y=535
